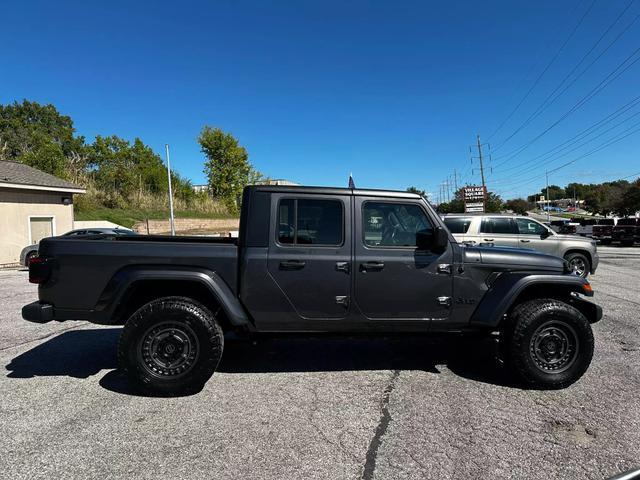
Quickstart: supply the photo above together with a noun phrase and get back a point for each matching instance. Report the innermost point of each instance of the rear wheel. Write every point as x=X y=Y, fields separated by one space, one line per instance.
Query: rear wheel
x=579 y=264
x=550 y=343
x=171 y=346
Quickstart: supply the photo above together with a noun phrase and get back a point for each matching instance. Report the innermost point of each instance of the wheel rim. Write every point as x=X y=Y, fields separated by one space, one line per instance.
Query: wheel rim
x=554 y=347
x=578 y=266
x=169 y=349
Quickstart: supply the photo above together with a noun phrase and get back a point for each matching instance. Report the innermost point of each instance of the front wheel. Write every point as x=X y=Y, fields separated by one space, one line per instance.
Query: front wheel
x=579 y=264
x=170 y=346
x=550 y=343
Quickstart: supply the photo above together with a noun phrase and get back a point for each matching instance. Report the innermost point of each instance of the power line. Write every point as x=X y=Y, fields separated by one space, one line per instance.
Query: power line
x=546 y=68
x=550 y=99
x=583 y=134
x=554 y=157
x=592 y=93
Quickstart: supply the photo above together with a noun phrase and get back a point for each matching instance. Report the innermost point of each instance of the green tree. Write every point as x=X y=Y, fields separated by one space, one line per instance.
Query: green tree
x=40 y=136
x=518 y=205
x=629 y=202
x=413 y=189
x=227 y=166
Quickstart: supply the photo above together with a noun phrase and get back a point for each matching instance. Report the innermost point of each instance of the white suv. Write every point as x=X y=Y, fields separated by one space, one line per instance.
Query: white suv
x=524 y=232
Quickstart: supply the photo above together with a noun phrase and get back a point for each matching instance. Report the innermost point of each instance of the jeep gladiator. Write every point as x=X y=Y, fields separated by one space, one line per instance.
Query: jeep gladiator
x=312 y=259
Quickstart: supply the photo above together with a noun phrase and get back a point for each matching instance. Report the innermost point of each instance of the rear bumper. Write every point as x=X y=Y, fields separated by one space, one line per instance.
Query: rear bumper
x=37 y=312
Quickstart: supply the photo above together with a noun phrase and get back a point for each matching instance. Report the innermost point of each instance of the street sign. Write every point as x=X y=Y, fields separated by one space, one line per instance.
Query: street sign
x=474 y=197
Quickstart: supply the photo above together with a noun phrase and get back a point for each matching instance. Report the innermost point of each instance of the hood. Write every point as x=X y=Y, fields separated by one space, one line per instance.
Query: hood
x=574 y=238
x=513 y=258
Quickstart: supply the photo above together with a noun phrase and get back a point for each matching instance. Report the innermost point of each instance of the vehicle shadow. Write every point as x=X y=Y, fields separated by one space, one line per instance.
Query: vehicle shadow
x=83 y=353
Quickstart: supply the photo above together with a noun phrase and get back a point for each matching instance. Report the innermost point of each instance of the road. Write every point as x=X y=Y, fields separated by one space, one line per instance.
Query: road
x=320 y=408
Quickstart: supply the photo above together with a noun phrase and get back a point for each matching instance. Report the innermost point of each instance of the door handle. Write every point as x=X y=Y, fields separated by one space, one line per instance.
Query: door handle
x=343 y=267
x=525 y=241
x=292 y=264
x=488 y=239
x=371 y=266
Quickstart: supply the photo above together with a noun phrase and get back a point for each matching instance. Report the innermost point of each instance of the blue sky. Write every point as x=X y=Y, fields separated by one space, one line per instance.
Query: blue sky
x=394 y=92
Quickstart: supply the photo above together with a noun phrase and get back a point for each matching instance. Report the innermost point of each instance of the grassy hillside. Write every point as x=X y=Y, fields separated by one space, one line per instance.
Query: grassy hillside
x=128 y=216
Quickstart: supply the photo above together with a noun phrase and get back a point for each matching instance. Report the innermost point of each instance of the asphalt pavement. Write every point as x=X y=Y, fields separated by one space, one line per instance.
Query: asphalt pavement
x=320 y=408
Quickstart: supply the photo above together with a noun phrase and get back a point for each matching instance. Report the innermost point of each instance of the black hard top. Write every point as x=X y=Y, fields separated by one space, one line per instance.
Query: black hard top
x=332 y=191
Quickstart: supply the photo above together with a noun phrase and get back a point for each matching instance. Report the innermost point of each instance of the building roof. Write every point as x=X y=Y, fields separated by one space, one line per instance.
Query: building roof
x=21 y=176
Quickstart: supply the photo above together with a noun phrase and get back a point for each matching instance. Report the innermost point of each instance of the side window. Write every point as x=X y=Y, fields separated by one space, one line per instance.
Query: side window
x=498 y=225
x=310 y=222
x=457 y=224
x=529 y=227
x=392 y=224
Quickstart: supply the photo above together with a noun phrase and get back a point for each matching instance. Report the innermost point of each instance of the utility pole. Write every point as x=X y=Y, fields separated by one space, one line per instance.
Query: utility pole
x=480 y=157
x=548 y=199
x=173 y=227
x=455 y=180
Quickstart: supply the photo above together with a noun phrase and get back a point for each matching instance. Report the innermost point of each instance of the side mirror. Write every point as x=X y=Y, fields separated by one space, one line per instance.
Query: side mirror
x=435 y=239
x=545 y=234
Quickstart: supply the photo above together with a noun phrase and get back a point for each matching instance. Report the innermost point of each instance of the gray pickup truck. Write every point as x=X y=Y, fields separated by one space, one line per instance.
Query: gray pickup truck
x=312 y=259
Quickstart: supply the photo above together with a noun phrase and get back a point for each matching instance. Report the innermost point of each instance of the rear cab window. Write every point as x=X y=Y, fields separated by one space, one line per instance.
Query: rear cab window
x=307 y=221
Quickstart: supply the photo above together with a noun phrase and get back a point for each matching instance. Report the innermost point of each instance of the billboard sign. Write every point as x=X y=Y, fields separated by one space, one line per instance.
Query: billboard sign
x=474 y=197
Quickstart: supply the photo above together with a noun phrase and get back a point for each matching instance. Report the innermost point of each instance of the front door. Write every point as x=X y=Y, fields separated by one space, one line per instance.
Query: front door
x=497 y=231
x=394 y=280
x=531 y=234
x=310 y=254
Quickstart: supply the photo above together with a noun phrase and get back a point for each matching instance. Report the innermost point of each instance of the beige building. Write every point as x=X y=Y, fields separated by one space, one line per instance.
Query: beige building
x=33 y=205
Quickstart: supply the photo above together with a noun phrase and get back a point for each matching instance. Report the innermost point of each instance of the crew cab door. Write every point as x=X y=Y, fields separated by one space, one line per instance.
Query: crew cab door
x=310 y=254
x=393 y=279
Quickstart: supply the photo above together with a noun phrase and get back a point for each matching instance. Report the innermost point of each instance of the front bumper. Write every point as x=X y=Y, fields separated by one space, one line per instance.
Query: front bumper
x=37 y=312
x=595 y=260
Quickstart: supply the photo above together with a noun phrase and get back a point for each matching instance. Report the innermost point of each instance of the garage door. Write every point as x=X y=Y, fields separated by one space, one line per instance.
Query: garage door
x=41 y=227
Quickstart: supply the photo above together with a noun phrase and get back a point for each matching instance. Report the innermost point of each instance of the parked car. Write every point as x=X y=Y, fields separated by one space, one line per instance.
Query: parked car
x=603 y=231
x=31 y=251
x=516 y=231
x=312 y=260
x=625 y=231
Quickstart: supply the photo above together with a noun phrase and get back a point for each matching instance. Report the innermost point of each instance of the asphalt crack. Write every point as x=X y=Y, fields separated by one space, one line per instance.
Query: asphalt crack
x=381 y=429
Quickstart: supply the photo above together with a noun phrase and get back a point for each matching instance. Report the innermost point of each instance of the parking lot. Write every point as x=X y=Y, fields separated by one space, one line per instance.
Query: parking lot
x=320 y=408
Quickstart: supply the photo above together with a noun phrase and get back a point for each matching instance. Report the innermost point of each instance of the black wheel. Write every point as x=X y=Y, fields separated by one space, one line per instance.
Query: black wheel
x=550 y=343
x=30 y=256
x=579 y=264
x=170 y=346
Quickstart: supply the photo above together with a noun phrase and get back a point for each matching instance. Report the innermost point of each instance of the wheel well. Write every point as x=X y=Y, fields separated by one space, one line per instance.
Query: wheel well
x=581 y=252
x=557 y=292
x=142 y=292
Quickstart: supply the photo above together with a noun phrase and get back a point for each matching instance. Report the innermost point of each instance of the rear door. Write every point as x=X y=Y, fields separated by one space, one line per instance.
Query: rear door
x=310 y=255
x=394 y=280
x=498 y=231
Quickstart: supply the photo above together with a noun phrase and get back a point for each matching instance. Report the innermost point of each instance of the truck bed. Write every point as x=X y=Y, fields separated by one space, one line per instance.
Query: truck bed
x=103 y=257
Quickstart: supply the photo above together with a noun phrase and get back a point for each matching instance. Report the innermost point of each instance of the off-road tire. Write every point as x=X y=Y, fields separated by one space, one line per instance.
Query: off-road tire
x=573 y=257
x=527 y=322
x=183 y=322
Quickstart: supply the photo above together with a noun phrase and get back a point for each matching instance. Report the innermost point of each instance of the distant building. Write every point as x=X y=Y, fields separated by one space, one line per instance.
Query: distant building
x=33 y=205
x=201 y=188
x=277 y=181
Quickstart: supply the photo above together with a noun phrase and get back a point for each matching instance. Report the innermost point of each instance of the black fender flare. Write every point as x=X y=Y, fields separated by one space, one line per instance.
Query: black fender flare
x=124 y=279
x=504 y=291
